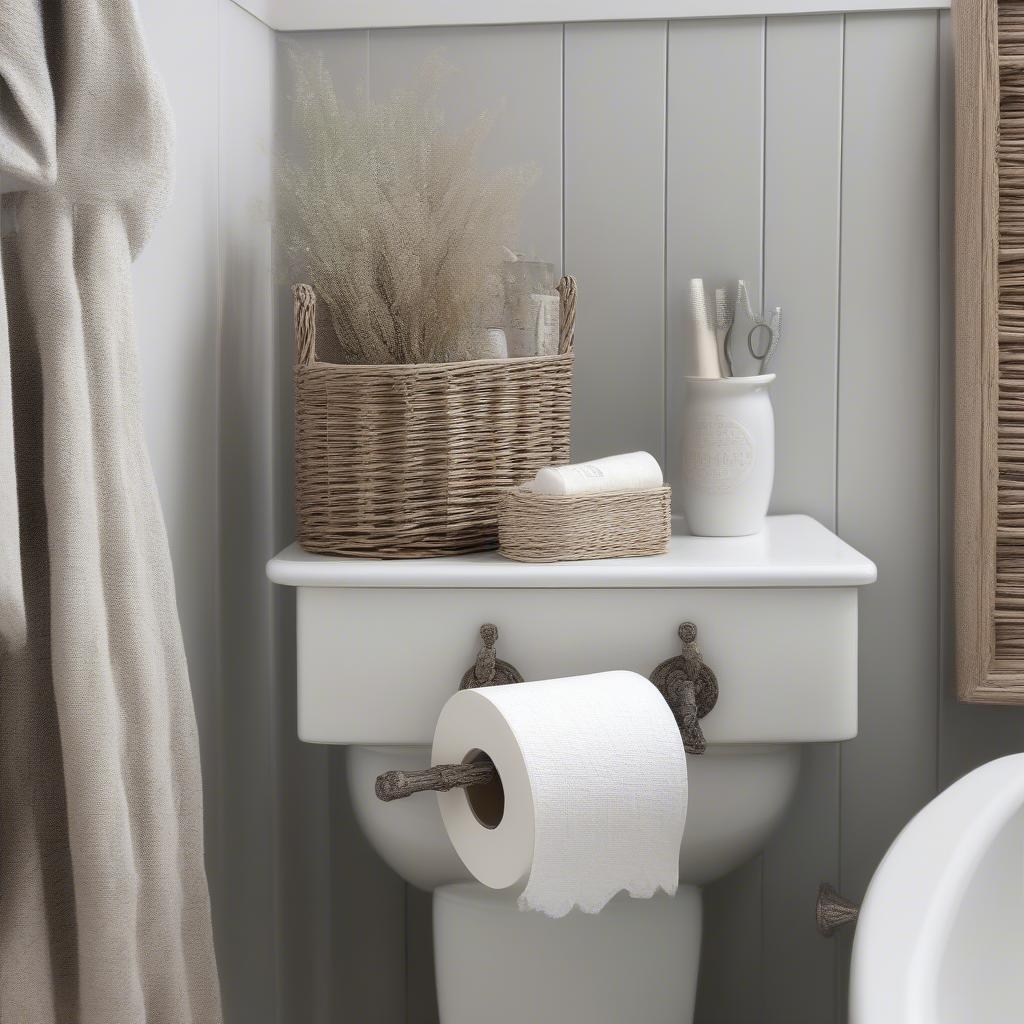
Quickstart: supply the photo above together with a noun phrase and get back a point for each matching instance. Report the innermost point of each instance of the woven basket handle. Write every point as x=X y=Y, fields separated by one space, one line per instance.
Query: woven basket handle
x=567 y=315
x=305 y=324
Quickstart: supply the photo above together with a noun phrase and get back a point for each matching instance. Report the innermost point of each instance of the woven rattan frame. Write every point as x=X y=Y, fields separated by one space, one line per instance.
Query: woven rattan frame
x=561 y=528
x=989 y=495
x=411 y=460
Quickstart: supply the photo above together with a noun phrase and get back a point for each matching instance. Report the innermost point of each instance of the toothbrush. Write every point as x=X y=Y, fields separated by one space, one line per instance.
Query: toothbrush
x=773 y=326
x=774 y=337
x=704 y=341
x=724 y=316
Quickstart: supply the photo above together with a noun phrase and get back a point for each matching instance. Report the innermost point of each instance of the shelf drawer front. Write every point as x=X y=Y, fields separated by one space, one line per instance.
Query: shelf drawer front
x=377 y=665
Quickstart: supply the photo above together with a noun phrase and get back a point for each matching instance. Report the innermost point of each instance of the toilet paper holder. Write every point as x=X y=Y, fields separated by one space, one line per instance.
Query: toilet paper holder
x=689 y=687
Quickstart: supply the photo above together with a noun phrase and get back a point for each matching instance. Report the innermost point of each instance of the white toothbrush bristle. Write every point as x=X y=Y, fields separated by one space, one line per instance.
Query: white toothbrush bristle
x=723 y=313
x=698 y=302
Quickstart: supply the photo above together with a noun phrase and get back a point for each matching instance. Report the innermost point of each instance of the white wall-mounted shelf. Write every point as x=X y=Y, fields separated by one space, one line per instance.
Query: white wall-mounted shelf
x=297 y=15
x=381 y=644
x=792 y=551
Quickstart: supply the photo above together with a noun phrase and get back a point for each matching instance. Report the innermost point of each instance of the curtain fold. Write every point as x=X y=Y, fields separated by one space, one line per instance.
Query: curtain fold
x=104 y=911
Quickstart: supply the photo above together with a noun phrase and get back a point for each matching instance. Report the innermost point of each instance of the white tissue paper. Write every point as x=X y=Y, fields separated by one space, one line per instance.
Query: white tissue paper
x=595 y=789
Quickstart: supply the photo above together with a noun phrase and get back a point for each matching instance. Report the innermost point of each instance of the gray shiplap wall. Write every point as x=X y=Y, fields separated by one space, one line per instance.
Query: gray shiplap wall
x=810 y=156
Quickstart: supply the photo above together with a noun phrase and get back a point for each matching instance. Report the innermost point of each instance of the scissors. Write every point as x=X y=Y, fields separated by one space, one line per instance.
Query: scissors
x=772 y=327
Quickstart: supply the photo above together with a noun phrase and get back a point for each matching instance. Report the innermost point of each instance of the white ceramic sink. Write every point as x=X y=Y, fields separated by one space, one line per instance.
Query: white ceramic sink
x=940 y=937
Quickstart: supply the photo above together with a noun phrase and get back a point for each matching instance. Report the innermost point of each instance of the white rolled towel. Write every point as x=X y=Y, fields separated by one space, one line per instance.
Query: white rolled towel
x=634 y=471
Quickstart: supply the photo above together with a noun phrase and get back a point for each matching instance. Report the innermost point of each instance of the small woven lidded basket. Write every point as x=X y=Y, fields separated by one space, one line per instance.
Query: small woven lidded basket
x=410 y=460
x=537 y=527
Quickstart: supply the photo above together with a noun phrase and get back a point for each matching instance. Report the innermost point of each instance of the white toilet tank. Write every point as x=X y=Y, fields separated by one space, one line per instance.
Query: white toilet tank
x=382 y=645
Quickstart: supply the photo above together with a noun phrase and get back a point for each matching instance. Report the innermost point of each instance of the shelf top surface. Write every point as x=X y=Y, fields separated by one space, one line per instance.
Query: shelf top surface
x=791 y=551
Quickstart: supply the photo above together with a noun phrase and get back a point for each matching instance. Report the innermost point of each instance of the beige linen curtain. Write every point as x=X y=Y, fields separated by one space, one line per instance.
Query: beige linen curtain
x=104 y=912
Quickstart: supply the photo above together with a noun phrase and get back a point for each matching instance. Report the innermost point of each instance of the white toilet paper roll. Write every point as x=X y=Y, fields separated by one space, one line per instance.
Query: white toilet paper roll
x=592 y=796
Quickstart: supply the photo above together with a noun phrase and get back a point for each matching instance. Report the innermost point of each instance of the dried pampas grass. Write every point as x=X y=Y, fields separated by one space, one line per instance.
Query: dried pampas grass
x=392 y=221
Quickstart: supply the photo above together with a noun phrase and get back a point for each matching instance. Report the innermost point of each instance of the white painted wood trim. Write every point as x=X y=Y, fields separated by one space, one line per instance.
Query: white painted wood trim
x=291 y=15
x=267 y=11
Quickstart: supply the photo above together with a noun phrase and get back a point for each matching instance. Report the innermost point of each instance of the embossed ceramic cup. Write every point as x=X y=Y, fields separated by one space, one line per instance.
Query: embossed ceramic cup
x=728 y=454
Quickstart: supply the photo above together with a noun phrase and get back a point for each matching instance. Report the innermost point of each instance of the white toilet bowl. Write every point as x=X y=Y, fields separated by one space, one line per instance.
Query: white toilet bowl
x=940 y=937
x=635 y=961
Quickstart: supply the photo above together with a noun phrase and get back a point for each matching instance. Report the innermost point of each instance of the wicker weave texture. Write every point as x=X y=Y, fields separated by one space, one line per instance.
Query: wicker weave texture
x=1009 y=575
x=555 y=528
x=411 y=460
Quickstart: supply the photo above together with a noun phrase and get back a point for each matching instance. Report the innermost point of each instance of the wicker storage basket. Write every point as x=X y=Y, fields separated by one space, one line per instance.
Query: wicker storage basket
x=562 y=528
x=411 y=460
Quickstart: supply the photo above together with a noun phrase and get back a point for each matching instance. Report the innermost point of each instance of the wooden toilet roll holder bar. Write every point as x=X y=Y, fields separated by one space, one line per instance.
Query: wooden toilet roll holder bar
x=687 y=684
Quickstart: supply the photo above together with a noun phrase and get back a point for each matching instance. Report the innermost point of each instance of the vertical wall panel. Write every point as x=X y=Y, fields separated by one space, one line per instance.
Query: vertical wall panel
x=513 y=71
x=367 y=938
x=714 y=214
x=803 y=145
x=888 y=424
x=615 y=233
x=175 y=310
x=730 y=984
x=421 y=992
x=344 y=55
x=248 y=923
x=713 y=230
x=956 y=722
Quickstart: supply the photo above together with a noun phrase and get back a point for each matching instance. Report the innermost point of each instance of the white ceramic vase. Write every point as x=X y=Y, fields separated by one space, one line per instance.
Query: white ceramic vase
x=728 y=454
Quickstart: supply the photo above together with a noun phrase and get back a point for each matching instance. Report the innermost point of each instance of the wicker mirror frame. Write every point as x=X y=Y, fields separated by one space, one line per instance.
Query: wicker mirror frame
x=989 y=226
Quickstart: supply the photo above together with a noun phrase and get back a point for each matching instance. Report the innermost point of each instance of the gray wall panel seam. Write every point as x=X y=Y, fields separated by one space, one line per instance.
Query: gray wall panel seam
x=761 y=242
x=940 y=471
x=665 y=341
x=839 y=1011
x=764 y=146
x=564 y=269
